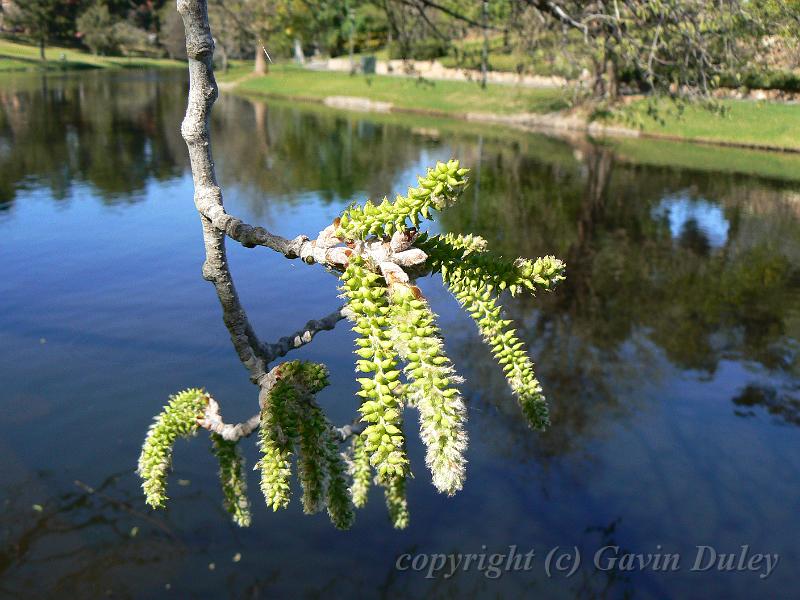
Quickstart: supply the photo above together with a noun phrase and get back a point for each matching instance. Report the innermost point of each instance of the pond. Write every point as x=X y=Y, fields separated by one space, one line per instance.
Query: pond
x=670 y=356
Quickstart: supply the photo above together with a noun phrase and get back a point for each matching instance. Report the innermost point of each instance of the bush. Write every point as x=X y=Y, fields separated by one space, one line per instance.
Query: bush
x=171 y=34
x=786 y=81
x=133 y=41
x=423 y=49
x=96 y=28
x=106 y=35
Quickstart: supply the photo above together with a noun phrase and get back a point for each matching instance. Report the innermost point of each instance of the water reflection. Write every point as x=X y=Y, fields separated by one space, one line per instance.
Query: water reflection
x=670 y=354
x=645 y=293
x=115 y=132
x=81 y=542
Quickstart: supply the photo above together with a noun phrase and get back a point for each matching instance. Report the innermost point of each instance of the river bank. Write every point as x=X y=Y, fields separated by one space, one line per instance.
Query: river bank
x=17 y=57
x=762 y=125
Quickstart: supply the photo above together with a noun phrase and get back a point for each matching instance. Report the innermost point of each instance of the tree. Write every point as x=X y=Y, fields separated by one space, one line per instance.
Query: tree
x=170 y=34
x=42 y=19
x=376 y=251
x=676 y=46
x=679 y=46
x=252 y=21
x=97 y=29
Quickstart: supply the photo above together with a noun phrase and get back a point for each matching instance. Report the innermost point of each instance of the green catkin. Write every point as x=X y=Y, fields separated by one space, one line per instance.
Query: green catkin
x=361 y=472
x=440 y=188
x=475 y=276
x=431 y=386
x=380 y=407
x=337 y=497
x=231 y=476
x=276 y=437
x=394 y=492
x=322 y=468
x=312 y=465
x=468 y=255
x=508 y=350
x=306 y=432
x=178 y=419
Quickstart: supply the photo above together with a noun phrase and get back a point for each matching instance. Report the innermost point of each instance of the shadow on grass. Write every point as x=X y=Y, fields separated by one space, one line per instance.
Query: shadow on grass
x=34 y=64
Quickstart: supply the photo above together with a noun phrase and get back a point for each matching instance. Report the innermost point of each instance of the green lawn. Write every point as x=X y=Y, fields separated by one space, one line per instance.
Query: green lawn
x=15 y=56
x=767 y=124
x=452 y=97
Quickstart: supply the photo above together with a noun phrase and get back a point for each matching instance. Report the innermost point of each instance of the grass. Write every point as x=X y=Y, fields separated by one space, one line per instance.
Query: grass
x=15 y=56
x=444 y=97
x=746 y=122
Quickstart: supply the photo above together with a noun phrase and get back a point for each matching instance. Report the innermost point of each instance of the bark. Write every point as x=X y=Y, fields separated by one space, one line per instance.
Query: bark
x=260 y=67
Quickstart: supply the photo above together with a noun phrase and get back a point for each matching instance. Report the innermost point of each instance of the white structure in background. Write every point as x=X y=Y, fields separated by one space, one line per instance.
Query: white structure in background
x=433 y=69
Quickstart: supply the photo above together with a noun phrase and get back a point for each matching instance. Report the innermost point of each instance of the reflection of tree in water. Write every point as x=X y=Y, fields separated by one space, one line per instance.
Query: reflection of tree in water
x=286 y=151
x=776 y=402
x=114 y=132
x=634 y=291
x=93 y=542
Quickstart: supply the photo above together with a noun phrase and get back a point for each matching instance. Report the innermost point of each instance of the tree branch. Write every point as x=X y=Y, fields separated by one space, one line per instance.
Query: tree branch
x=304 y=336
x=419 y=4
x=212 y=420
x=217 y=224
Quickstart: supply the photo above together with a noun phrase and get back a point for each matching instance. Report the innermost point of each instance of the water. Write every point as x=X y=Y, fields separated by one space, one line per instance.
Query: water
x=671 y=355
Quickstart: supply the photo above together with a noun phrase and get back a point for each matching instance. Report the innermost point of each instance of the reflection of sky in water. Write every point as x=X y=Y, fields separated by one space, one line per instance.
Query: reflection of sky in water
x=683 y=212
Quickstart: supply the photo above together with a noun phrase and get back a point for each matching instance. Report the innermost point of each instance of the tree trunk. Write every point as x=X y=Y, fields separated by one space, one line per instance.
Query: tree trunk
x=260 y=67
x=352 y=43
x=299 y=56
x=612 y=87
x=223 y=55
x=41 y=49
x=485 y=50
x=599 y=86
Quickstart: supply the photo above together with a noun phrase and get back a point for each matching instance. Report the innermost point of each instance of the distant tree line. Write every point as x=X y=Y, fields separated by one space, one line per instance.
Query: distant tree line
x=680 y=47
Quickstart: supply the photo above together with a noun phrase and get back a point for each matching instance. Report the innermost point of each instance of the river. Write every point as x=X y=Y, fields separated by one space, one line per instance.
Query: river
x=670 y=356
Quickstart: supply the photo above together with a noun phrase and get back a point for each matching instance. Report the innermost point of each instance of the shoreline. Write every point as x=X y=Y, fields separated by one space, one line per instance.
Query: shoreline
x=554 y=121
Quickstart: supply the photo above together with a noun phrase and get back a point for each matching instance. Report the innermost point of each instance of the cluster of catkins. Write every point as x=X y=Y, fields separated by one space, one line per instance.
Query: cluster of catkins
x=400 y=361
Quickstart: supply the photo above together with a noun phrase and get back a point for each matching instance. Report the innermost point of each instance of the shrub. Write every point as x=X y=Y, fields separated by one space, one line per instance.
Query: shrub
x=423 y=49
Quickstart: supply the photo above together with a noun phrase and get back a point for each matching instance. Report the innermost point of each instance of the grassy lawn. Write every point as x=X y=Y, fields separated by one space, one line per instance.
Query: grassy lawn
x=456 y=97
x=762 y=123
x=22 y=57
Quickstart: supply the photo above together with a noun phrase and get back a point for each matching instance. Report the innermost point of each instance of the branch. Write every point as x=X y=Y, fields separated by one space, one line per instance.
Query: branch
x=558 y=12
x=302 y=337
x=203 y=93
x=347 y=431
x=419 y=4
x=212 y=420
x=210 y=206
x=217 y=224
